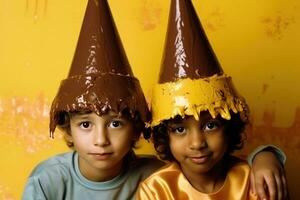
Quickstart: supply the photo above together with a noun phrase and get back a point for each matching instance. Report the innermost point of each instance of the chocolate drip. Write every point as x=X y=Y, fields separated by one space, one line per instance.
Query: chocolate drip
x=100 y=77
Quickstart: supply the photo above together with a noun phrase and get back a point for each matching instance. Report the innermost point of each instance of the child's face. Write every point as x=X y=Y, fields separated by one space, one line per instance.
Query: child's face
x=101 y=141
x=197 y=145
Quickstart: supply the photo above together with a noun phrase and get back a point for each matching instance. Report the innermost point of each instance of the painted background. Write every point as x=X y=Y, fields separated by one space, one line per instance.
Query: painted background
x=257 y=42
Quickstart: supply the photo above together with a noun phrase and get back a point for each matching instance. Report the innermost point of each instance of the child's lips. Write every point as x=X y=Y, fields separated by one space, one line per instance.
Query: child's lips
x=200 y=159
x=101 y=156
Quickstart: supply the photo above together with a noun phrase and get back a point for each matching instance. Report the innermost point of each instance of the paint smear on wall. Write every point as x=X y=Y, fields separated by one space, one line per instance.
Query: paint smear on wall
x=285 y=137
x=5 y=194
x=215 y=20
x=36 y=8
x=265 y=88
x=27 y=120
x=276 y=26
x=150 y=15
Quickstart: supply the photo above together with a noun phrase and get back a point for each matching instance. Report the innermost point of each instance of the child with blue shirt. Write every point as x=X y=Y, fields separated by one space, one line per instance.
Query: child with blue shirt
x=102 y=112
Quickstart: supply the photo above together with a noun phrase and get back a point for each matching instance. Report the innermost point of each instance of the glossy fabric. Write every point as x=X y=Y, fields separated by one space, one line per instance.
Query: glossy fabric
x=170 y=183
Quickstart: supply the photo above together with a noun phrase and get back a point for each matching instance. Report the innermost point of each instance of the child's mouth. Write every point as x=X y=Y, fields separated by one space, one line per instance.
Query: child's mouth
x=100 y=156
x=200 y=159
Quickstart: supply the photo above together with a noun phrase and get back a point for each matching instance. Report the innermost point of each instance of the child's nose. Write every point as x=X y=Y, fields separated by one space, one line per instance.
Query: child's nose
x=101 y=138
x=197 y=140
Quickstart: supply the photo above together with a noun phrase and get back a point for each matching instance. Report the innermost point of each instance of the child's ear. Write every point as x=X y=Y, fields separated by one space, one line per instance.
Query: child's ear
x=69 y=139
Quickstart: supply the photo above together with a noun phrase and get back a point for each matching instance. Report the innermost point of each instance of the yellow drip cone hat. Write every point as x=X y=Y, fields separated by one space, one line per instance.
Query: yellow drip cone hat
x=191 y=79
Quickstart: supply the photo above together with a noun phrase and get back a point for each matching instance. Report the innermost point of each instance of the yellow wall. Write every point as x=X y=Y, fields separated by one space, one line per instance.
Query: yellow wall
x=257 y=42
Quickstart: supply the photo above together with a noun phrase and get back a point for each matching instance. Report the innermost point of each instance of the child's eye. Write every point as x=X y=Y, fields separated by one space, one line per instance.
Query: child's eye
x=85 y=125
x=178 y=130
x=115 y=124
x=209 y=126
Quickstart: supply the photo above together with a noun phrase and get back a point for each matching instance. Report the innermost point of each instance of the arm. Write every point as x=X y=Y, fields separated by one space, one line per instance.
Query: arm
x=267 y=173
x=32 y=191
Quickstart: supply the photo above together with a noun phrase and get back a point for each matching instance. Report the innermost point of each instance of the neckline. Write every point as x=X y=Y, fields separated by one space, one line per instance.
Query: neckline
x=105 y=185
x=199 y=193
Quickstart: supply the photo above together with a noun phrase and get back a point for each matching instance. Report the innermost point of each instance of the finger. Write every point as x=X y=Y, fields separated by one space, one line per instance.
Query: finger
x=272 y=186
x=284 y=185
x=279 y=187
x=259 y=186
x=252 y=183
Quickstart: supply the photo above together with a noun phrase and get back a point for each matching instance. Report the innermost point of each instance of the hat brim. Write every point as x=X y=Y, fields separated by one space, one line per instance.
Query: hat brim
x=99 y=93
x=215 y=94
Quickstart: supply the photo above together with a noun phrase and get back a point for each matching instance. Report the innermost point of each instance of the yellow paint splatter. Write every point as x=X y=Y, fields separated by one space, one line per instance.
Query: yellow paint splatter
x=5 y=193
x=27 y=121
x=150 y=15
x=36 y=8
x=276 y=26
x=215 y=20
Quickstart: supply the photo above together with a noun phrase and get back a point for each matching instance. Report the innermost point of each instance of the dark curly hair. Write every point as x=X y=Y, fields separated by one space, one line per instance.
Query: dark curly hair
x=233 y=128
x=64 y=124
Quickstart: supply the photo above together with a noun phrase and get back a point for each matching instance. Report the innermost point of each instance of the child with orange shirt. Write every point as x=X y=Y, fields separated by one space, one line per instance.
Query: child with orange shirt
x=198 y=121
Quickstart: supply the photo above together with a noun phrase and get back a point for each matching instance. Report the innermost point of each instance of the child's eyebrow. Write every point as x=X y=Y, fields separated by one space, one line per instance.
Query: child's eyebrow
x=114 y=115
x=109 y=115
x=81 y=116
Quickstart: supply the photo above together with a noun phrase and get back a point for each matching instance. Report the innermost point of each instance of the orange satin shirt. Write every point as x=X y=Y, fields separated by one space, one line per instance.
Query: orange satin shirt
x=170 y=183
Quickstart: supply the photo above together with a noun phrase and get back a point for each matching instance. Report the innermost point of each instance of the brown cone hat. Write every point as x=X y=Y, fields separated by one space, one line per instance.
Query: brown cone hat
x=100 y=77
x=191 y=78
x=188 y=53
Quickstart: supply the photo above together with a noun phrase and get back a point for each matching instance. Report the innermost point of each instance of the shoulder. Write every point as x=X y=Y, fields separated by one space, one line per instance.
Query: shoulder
x=59 y=160
x=49 y=177
x=53 y=165
x=238 y=166
x=168 y=170
x=238 y=162
x=149 y=159
x=237 y=179
x=148 y=162
x=155 y=185
x=144 y=165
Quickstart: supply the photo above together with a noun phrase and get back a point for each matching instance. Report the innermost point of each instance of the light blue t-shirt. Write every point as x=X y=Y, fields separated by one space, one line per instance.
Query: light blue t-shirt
x=59 y=177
